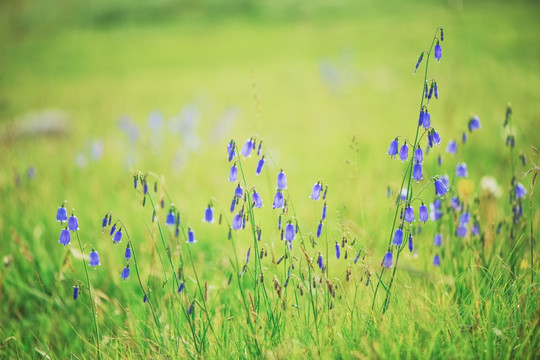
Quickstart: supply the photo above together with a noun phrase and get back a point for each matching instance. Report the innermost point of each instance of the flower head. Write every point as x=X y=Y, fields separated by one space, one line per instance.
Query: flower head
x=461 y=170
x=209 y=214
x=423 y=213
x=233 y=173
x=61 y=214
x=127 y=254
x=418 y=61
x=73 y=223
x=281 y=180
x=440 y=189
x=237 y=221
x=94 y=259
x=316 y=191
x=278 y=200
x=117 y=236
x=418 y=155
x=247 y=148
x=438 y=52
x=409 y=214
x=393 y=148
x=387 y=261
x=260 y=165
x=238 y=192
x=404 y=152
x=425 y=117
x=125 y=273
x=180 y=287
x=170 y=218
x=410 y=243
x=65 y=237
x=436 y=260
x=461 y=230
x=436 y=91
x=437 y=240
x=323 y=215
x=520 y=191
x=474 y=123
x=398 y=237
x=230 y=150
x=451 y=148
x=75 y=292
x=417 y=172
x=289 y=232
x=475 y=229
x=338 y=251
x=191 y=237
x=320 y=261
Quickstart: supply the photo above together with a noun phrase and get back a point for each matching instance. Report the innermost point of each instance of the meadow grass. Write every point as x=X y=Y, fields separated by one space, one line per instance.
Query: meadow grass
x=326 y=88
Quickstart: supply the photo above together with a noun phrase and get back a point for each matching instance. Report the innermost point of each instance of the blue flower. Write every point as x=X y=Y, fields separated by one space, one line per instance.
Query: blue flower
x=520 y=191
x=61 y=214
x=127 y=254
x=436 y=138
x=475 y=229
x=410 y=243
x=247 y=255
x=437 y=240
x=135 y=177
x=404 y=152
x=464 y=218
x=233 y=204
x=104 y=223
x=451 y=148
x=423 y=213
x=246 y=149
x=233 y=173
x=117 y=237
x=454 y=203
x=237 y=221
x=417 y=172
x=323 y=215
x=113 y=229
x=421 y=117
x=257 y=200
x=94 y=259
x=209 y=214
x=436 y=260
x=278 y=200
x=474 y=123
x=426 y=120
x=191 y=237
x=418 y=156
x=75 y=292
x=281 y=180
x=461 y=170
x=316 y=191
x=238 y=192
x=446 y=181
x=398 y=237
x=393 y=148
x=125 y=273
x=319 y=229
x=230 y=150
x=259 y=148
x=289 y=232
x=338 y=251
x=180 y=287
x=387 y=262
x=260 y=165
x=435 y=211
x=438 y=52
x=320 y=261
x=73 y=223
x=418 y=62
x=436 y=91
x=461 y=230
x=65 y=237
x=145 y=188
x=464 y=137
x=409 y=214
x=440 y=189
x=170 y=218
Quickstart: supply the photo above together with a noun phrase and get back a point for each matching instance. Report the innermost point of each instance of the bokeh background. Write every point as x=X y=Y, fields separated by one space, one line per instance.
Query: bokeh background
x=91 y=91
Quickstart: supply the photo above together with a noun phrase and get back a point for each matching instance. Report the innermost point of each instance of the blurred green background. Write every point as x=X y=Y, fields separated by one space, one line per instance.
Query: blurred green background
x=92 y=90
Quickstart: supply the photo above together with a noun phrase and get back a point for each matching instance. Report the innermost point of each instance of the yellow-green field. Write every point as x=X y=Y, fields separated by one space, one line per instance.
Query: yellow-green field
x=94 y=93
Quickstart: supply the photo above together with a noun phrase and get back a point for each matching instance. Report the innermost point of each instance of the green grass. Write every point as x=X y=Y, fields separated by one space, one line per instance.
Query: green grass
x=259 y=64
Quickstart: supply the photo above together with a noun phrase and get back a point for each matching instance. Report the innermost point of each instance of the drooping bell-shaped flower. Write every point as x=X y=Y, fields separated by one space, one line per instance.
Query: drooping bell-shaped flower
x=316 y=191
x=426 y=121
x=278 y=200
x=237 y=221
x=113 y=229
x=417 y=172
x=423 y=213
x=180 y=287
x=409 y=214
x=410 y=243
x=445 y=179
x=387 y=262
x=461 y=231
x=65 y=237
x=393 y=148
x=61 y=214
x=421 y=117
x=233 y=204
x=281 y=181
x=209 y=214
x=94 y=259
x=461 y=170
x=398 y=237
x=440 y=189
x=247 y=255
x=418 y=62
x=260 y=165
x=436 y=260
x=289 y=232
x=127 y=254
x=319 y=229
x=438 y=51
x=436 y=138
x=125 y=273
x=73 y=223
x=520 y=191
x=338 y=251
x=320 y=262
x=230 y=150
x=170 y=218
x=451 y=148
x=104 y=223
x=418 y=155
x=436 y=91
x=191 y=237
x=474 y=123
x=257 y=200
x=404 y=152
x=323 y=215
x=75 y=292
x=233 y=173
x=247 y=148
x=454 y=203
x=117 y=237
x=437 y=240
x=238 y=192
